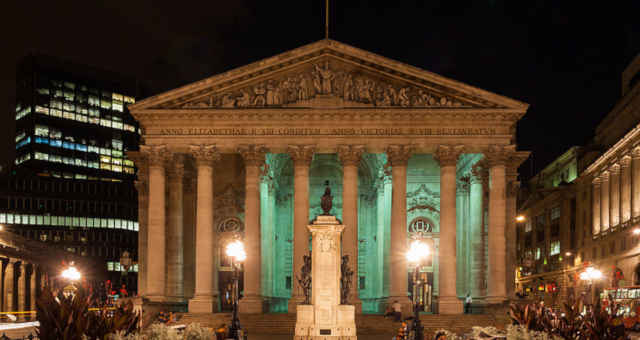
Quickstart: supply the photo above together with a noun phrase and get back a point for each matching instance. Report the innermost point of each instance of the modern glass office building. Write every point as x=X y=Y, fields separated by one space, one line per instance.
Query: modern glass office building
x=72 y=185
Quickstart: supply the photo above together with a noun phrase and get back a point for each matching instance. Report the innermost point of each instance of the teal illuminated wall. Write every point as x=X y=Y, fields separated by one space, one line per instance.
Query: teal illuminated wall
x=374 y=220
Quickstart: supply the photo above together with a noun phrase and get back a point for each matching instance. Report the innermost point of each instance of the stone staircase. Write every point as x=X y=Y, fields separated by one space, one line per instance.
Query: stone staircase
x=366 y=324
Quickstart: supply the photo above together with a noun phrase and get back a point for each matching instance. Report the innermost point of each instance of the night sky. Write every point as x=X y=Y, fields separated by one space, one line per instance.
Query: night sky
x=563 y=58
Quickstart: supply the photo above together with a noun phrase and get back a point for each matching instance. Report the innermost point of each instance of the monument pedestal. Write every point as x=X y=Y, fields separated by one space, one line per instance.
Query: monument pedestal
x=325 y=318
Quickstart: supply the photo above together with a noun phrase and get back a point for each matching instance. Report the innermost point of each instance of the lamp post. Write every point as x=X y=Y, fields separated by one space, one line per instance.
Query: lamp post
x=70 y=274
x=417 y=252
x=235 y=250
x=588 y=276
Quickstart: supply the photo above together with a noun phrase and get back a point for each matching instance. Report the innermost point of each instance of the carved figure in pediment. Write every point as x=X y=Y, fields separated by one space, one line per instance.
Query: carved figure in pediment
x=271 y=97
x=259 y=99
x=244 y=100
x=228 y=101
x=304 y=88
x=403 y=97
x=323 y=78
x=348 y=88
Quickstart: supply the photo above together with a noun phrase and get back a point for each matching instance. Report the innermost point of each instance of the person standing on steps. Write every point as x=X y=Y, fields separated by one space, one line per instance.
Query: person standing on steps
x=467 y=304
x=397 y=311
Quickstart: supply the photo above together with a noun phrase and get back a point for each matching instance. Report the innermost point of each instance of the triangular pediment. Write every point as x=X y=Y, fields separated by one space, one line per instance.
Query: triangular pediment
x=326 y=74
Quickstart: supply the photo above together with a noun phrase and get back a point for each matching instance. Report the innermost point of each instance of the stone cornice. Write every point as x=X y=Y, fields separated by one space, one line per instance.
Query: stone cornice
x=629 y=143
x=260 y=115
x=323 y=49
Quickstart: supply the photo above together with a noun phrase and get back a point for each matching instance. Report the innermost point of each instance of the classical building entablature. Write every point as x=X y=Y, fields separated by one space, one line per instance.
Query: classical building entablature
x=627 y=146
x=328 y=90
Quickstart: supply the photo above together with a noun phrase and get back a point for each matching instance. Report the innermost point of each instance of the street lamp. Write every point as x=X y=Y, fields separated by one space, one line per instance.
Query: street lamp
x=520 y=218
x=70 y=274
x=417 y=252
x=235 y=250
x=588 y=276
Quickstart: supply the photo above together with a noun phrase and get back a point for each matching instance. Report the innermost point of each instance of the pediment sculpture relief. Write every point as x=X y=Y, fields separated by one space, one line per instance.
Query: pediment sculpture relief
x=352 y=86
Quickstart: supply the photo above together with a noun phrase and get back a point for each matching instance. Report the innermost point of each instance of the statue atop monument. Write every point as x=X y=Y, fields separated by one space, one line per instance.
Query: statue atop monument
x=327 y=200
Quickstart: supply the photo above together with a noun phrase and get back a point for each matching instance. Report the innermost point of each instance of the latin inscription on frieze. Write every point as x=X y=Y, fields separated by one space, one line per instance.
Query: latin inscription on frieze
x=456 y=131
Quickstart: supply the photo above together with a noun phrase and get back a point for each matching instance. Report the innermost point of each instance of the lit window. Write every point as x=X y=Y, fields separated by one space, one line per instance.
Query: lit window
x=58 y=93
x=136 y=226
x=116 y=168
x=118 y=223
x=93 y=148
x=43 y=90
x=93 y=100
x=110 y=266
x=555 y=248
x=42 y=130
x=54 y=133
x=105 y=151
x=55 y=158
x=20 y=135
x=116 y=161
x=56 y=113
x=76 y=221
x=103 y=222
x=17 y=219
x=94 y=165
x=67 y=160
x=118 y=125
x=129 y=170
x=81 y=118
x=3 y=218
x=116 y=153
x=80 y=162
x=42 y=140
x=128 y=162
x=10 y=218
x=32 y=219
x=538 y=253
x=117 y=106
x=47 y=220
x=105 y=122
x=555 y=212
x=42 y=156
x=129 y=100
x=68 y=145
x=54 y=220
x=111 y=223
x=105 y=159
x=69 y=85
x=129 y=128
x=105 y=104
x=55 y=143
x=69 y=115
x=81 y=147
x=67 y=221
x=69 y=107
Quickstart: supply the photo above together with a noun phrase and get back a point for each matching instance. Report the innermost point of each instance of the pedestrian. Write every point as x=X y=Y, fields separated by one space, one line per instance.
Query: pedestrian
x=397 y=311
x=467 y=304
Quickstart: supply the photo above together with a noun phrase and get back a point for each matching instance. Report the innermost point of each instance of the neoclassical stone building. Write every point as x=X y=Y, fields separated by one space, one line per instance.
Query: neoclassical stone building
x=247 y=153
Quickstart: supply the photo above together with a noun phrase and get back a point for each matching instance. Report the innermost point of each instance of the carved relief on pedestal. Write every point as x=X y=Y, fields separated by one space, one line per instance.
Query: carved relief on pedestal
x=333 y=79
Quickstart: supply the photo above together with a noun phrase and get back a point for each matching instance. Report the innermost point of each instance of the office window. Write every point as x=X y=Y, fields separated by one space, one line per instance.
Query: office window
x=538 y=253
x=42 y=130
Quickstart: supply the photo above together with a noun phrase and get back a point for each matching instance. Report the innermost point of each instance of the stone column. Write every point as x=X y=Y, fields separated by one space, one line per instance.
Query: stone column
x=625 y=189
x=33 y=284
x=447 y=156
x=477 y=245
x=189 y=233
x=175 y=225
x=302 y=155
x=398 y=156
x=604 y=202
x=635 y=184
x=254 y=157
x=513 y=186
x=205 y=298
x=142 y=187
x=595 y=213
x=614 y=214
x=9 y=287
x=156 y=266
x=350 y=157
x=21 y=268
x=497 y=157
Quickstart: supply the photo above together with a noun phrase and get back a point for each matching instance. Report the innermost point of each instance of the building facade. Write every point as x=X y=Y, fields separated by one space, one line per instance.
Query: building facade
x=247 y=154
x=546 y=240
x=72 y=184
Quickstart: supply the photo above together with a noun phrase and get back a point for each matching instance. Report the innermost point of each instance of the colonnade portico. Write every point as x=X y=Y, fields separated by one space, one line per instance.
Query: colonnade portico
x=400 y=146
x=615 y=191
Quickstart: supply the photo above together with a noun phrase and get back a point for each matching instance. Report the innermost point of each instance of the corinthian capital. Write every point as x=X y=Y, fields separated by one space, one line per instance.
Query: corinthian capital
x=155 y=154
x=399 y=154
x=301 y=154
x=253 y=155
x=448 y=155
x=350 y=154
x=499 y=154
x=205 y=154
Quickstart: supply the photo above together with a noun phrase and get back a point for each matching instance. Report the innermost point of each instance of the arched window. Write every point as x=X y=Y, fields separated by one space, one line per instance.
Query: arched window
x=421 y=225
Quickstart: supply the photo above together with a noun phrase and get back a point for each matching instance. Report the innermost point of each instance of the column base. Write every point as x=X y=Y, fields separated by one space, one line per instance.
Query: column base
x=203 y=304
x=495 y=300
x=294 y=301
x=449 y=305
x=407 y=305
x=357 y=304
x=252 y=304
x=156 y=298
